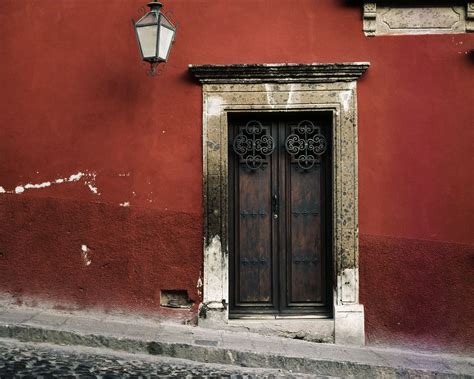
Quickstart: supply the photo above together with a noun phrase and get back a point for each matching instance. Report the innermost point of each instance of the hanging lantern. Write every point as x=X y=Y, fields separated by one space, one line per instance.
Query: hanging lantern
x=155 y=34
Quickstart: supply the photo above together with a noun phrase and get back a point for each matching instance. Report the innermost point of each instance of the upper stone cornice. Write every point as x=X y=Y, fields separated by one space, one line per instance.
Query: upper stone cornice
x=279 y=72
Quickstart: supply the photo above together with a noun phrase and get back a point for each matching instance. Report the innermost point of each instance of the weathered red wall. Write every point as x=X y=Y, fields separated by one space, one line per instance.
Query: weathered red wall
x=74 y=98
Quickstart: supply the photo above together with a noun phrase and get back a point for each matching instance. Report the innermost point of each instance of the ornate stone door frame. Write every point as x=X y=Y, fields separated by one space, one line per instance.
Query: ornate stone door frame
x=282 y=88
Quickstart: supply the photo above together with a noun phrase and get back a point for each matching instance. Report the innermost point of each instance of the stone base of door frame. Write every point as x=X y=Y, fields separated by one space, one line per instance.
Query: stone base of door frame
x=346 y=328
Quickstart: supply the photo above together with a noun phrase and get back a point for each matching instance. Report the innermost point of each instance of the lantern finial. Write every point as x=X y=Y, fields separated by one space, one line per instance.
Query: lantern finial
x=154 y=5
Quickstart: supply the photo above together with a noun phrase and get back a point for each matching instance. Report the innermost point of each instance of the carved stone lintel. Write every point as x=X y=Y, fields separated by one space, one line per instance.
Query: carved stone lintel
x=470 y=17
x=392 y=18
x=370 y=14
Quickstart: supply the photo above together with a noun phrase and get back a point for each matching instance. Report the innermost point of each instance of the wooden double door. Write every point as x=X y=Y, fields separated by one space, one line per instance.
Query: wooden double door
x=280 y=214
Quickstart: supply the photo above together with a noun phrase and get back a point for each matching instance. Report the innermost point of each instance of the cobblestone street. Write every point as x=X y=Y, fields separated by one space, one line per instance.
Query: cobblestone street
x=35 y=360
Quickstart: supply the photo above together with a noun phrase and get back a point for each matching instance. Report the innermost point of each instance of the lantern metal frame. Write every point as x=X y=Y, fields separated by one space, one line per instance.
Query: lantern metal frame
x=155 y=8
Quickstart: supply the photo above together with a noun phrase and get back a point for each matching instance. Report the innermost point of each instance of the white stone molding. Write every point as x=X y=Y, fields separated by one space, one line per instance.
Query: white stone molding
x=370 y=14
x=470 y=17
x=393 y=19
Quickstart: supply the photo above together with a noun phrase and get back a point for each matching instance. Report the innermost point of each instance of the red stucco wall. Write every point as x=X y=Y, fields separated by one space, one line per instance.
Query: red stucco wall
x=75 y=100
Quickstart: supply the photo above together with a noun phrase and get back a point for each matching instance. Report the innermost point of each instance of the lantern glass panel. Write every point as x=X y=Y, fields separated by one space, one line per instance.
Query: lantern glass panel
x=149 y=18
x=165 y=22
x=147 y=35
x=166 y=37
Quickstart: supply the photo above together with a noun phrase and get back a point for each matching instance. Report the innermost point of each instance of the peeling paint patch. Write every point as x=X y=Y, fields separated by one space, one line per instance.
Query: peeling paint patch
x=41 y=185
x=125 y=204
x=85 y=257
x=199 y=284
x=93 y=188
x=75 y=177
x=89 y=182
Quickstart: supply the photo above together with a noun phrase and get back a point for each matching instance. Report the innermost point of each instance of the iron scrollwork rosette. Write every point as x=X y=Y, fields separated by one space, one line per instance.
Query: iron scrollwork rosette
x=306 y=144
x=253 y=145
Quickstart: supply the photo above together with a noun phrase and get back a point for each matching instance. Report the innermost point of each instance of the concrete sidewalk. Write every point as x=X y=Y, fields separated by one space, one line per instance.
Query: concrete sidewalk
x=141 y=335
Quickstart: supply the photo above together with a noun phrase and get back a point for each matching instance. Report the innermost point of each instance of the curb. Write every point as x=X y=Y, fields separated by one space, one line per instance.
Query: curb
x=215 y=354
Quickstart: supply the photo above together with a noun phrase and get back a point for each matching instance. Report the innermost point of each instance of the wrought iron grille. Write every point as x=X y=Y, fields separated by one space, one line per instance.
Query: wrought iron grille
x=306 y=144
x=253 y=145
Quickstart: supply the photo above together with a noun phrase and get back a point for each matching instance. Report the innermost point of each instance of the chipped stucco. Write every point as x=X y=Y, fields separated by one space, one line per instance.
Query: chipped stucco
x=85 y=255
x=89 y=179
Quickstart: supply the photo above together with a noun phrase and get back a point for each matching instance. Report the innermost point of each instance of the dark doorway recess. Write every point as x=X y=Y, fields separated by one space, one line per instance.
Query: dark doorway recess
x=280 y=214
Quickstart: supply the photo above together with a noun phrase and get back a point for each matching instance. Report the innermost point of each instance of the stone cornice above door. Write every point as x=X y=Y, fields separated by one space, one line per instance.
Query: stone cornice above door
x=279 y=73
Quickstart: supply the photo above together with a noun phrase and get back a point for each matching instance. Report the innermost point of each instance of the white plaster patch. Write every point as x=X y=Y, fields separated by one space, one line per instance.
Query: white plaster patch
x=347 y=282
x=40 y=185
x=345 y=98
x=75 y=177
x=231 y=357
x=212 y=269
x=125 y=204
x=214 y=106
x=269 y=94
x=85 y=257
x=290 y=96
x=93 y=188
x=90 y=183
x=199 y=285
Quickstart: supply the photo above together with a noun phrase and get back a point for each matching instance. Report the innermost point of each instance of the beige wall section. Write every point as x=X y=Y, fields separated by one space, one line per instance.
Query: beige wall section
x=405 y=19
x=283 y=88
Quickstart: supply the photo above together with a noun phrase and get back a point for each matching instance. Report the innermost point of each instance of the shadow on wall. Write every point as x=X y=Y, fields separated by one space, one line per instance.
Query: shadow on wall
x=470 y=56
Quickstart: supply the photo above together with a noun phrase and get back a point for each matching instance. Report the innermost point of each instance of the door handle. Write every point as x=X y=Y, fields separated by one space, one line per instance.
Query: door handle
x=275 y=205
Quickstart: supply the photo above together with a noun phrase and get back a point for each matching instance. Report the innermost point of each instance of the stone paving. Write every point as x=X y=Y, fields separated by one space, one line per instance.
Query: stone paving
x=160 y=340
x=39 y=360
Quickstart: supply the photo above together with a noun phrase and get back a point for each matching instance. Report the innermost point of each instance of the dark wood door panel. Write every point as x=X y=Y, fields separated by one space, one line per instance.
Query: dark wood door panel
x=279 y=240
x=304 y=236
x=254 y=231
